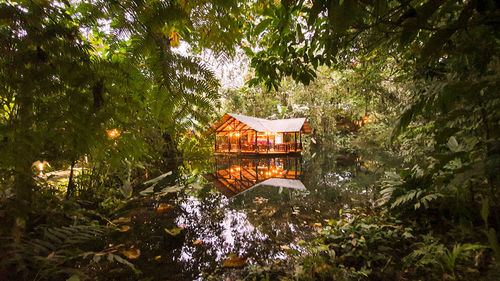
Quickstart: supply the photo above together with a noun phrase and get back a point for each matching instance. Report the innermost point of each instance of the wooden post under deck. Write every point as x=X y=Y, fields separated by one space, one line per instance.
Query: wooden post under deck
x=239 y=141
x=256 y=171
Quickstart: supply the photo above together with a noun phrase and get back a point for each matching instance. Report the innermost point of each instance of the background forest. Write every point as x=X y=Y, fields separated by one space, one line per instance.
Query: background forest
x=120 y=94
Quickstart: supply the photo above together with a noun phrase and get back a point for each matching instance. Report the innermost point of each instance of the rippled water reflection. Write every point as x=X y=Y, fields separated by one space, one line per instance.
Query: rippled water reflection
x=259 y=209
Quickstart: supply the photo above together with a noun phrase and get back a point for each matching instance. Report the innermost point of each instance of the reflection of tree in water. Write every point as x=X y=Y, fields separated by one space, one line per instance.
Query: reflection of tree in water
x=223 y=231
x=345 y=179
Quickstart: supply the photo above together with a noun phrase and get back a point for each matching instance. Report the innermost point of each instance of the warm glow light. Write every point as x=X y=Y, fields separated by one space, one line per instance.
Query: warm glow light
x=232 y=170
x=113 y=134
x=230 y=134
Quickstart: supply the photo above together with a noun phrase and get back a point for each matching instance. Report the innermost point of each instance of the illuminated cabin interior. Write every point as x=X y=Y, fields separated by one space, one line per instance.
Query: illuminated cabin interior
x=235 y=175
x=244 y=134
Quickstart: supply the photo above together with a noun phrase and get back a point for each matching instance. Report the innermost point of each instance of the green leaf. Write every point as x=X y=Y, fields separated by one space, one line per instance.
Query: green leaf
x=453 y=144
x=174 y=231
x=74 y=277
x=261 y=26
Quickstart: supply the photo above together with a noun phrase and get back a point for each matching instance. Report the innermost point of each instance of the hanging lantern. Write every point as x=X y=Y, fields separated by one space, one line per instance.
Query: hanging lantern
x=113 y=134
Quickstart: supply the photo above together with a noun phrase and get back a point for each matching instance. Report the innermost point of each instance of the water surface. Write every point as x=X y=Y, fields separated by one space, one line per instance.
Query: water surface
x=257 y=209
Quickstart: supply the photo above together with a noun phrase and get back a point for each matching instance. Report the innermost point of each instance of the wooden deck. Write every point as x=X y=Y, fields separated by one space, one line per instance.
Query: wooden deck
x=278 y=149
x=253 y=152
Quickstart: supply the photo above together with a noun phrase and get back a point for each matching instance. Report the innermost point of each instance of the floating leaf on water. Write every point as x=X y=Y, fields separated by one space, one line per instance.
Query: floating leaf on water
x=174 y=231
x=74 y=277
x=164 y=207
x=234 y=262
x=131 y=253
x=121 y=220
x=322 y=268
x=124 y=228
x=197 y=242
x=157 y=258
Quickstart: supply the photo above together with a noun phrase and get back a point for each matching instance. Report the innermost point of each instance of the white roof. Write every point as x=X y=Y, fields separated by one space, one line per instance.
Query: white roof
x=287 y=183
x=264 y=125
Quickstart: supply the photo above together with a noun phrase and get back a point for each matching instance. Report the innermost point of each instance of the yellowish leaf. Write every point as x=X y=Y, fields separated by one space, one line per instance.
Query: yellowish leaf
x=157 y=258
x=234 y=262
x=131 y=253
x=124 y=228
x=121 y=220
x=51 y=255
x=174 y=231
x=174 y=39
x=197 y=242
x=164 y=207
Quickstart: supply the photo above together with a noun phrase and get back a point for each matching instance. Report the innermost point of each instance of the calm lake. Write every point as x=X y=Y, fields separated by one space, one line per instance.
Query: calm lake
x=248 y=210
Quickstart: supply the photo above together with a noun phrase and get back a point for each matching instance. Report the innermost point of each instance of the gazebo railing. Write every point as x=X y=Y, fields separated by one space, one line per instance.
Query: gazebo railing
x=260 y=148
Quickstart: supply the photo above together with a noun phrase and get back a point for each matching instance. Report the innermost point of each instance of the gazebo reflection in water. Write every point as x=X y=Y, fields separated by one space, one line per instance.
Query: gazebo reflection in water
x=233 y=175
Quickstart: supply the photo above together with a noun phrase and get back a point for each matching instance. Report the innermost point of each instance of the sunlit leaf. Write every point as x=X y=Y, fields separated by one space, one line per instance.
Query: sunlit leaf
x=174 y=231
x=74 y=277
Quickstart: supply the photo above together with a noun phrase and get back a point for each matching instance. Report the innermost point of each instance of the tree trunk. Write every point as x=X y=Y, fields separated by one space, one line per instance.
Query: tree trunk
x=71 y=182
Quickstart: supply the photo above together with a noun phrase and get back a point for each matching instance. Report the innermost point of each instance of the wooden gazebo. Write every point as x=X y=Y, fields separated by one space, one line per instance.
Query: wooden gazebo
x=244 y=134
